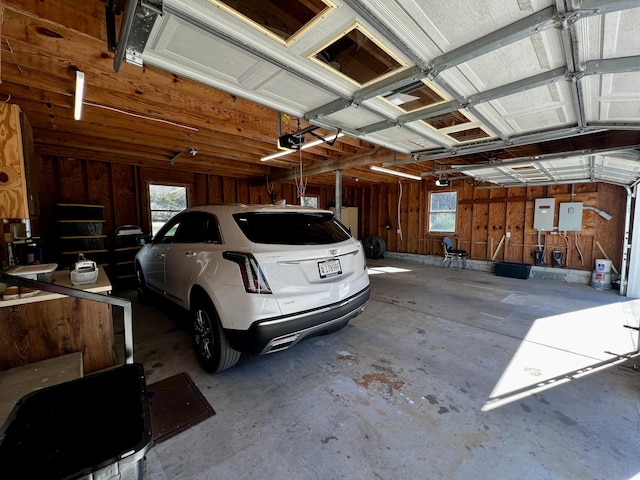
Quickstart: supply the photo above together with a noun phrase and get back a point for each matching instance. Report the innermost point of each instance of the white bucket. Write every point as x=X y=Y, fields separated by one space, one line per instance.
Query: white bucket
x=601 y=280
x=603 y=265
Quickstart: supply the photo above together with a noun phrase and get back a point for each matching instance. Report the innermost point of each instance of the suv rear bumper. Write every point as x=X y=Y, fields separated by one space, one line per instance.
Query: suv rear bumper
x=280 y=333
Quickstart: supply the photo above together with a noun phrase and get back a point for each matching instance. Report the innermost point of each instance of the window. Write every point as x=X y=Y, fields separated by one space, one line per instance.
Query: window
x=191 y=227
x=442 y=212
x=309 y=201
x=165 y=201
x=293 y=228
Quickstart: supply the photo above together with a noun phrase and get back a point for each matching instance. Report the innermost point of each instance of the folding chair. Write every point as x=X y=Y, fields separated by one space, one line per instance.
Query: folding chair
x=450 y=253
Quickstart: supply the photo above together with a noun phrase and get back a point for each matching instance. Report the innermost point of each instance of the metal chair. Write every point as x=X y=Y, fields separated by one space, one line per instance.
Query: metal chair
x=451 y=253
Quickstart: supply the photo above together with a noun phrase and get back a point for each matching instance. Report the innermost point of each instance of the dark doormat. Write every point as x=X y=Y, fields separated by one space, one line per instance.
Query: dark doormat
x=176 y=405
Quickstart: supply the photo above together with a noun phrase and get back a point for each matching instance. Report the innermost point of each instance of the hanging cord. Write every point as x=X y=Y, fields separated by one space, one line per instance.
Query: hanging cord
x=399 y=201
x=539 y=242
x=566 y=240
x=578 y=248
x=301 y=186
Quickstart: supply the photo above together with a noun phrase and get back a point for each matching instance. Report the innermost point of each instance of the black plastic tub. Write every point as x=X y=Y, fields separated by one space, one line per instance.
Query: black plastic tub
x=98 y=426
x=513 y=270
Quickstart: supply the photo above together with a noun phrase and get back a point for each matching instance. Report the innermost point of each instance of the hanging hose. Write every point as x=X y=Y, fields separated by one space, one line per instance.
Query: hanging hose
x=578 y=248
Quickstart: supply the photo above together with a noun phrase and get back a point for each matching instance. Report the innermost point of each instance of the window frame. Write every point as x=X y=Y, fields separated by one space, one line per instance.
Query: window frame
x=431 y=211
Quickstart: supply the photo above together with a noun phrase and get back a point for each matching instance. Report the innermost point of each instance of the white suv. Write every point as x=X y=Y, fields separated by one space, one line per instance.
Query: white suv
x=257 y=279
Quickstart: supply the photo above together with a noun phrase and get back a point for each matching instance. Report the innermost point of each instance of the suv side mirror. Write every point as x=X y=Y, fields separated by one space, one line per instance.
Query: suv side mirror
x=143 y=239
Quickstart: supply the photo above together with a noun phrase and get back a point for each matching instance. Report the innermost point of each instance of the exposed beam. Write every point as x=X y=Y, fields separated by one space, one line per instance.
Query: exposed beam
x=373 y=155
x=219 y=166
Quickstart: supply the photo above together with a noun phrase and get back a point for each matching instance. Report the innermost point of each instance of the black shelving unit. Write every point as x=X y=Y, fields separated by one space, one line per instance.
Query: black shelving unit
x=80 y=229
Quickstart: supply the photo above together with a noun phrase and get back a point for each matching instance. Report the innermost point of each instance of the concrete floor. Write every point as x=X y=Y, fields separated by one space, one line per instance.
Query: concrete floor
x=449 y=374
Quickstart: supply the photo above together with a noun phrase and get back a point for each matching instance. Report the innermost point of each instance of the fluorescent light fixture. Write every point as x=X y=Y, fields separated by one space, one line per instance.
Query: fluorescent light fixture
x=315 y=143
x=394 y=172
x=77 y=112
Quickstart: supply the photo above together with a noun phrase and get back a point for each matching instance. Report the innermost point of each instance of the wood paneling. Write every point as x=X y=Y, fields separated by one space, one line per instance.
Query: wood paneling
x=124 y=196
x=13 y=180
x=72 y=180
x=65 y=325
x=200 y=190
x=215 y=189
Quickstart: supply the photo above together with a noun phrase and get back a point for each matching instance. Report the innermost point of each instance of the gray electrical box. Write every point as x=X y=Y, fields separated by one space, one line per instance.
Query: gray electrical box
x=543 y=214
x=570 y=217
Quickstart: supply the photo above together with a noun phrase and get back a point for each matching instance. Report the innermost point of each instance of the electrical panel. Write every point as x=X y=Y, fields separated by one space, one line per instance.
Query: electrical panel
x=570 y=217
x=543 y=214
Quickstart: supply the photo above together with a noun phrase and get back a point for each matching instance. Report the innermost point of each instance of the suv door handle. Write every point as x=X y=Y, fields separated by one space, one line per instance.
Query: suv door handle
x=161 y=255
x=190 y=254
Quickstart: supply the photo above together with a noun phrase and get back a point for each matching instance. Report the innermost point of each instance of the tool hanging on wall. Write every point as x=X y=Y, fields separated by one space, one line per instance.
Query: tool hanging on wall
x=498 y=247
x=272 y=194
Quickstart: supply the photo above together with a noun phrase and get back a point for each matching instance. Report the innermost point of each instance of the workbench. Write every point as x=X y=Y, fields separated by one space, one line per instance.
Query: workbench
x=50 y=324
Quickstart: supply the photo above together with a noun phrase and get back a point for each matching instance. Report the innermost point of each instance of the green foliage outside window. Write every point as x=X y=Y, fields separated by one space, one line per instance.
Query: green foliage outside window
x=442 y=212
x=166 y=201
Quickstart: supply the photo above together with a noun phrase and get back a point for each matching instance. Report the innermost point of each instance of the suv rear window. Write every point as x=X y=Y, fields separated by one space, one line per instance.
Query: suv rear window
x=292 y=228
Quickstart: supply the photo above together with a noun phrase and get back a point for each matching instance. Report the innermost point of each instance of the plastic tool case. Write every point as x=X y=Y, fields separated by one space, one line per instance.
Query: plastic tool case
x=97 y=427
x=513 y=270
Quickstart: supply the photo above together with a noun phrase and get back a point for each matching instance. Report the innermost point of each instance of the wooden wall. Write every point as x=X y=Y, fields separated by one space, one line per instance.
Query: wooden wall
x=484 y=215
x=122 y=189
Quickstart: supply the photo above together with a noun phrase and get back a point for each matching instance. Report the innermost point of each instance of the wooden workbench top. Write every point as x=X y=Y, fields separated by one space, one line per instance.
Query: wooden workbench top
x=62 y=278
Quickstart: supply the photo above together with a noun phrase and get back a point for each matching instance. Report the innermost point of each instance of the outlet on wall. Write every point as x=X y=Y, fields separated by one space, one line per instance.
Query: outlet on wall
x=508 y=234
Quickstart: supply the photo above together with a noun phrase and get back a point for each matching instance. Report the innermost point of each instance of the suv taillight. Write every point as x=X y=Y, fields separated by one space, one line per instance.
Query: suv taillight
x=252 y=276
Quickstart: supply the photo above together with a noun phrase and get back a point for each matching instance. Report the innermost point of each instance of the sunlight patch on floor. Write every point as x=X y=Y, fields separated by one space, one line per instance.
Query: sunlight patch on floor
x=379 y=270
x=561 y=348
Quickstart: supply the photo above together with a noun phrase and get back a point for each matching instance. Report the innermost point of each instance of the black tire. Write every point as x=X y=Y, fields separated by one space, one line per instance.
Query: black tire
x=141 y=286
x=209 y=341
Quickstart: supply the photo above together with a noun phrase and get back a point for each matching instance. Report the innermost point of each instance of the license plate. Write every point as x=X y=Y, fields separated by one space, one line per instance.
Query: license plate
x=329 y=268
